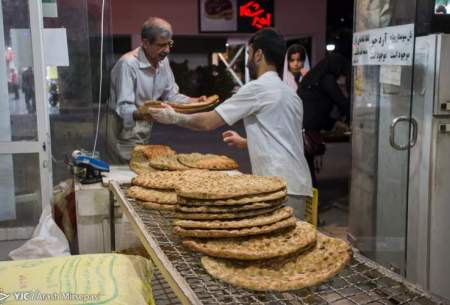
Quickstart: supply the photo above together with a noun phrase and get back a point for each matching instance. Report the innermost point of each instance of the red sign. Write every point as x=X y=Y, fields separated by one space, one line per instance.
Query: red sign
x=258 y=12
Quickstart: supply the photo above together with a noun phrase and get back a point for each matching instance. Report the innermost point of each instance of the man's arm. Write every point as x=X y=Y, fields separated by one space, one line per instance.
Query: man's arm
x=242 y=104
x=203 y=121
x=330 y=86
x=123 y=94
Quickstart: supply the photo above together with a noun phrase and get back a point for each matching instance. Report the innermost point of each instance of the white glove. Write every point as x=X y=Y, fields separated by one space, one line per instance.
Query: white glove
x=167 y=115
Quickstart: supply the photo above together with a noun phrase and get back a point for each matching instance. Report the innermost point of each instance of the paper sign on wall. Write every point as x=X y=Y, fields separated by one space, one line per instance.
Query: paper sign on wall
x=386 y=46
x=55 y=47
x=391 y=75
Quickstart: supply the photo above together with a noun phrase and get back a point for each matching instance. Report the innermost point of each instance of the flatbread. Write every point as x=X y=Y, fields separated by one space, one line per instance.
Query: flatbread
x=197 y=109
x=139 y=148
x=259 y=247
x=156 y=206
x=151 y=195
x=155 y=147
x=139 y=163
x=210 y=100
x=230 y=208
x=229 y=215
x=257 y=221
x=198 y=233
x=230 y=187
x=325 y=260
x=267 y=197
x=207 y=161
x=181 y=108
x=154 y=151
x=165 y=180
x=168 y=180
x=167 y=163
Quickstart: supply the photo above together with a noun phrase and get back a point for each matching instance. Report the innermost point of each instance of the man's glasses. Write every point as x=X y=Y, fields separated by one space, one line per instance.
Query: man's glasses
x=165 y=45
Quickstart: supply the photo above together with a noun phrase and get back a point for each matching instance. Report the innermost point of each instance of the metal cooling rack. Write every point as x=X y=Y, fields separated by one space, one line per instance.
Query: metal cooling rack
x=361 y=282
x=162 y=293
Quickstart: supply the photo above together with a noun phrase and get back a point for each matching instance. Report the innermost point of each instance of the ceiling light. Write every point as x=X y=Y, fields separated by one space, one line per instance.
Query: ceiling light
x=331 y=47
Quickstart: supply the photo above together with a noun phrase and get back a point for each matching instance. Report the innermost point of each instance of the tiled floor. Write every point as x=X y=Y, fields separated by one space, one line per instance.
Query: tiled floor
x=334 y=188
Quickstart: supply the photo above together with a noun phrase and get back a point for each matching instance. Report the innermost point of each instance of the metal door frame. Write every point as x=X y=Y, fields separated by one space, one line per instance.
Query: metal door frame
x=43 y=145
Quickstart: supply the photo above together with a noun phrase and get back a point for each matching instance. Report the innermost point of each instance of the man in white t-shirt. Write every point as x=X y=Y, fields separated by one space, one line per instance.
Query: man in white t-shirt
x=272 y=114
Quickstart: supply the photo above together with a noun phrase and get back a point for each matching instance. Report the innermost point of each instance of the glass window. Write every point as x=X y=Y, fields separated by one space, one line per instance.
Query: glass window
x=18 y=103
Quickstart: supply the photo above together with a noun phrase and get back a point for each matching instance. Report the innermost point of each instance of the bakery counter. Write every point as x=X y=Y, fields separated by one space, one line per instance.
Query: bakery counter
x=92 y=211
x=361 y=282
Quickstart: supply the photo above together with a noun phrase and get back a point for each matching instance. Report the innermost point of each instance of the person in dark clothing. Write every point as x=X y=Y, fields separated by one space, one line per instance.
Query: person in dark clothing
x=441 y=10
x=324 y=103
x=28 y=89
x=14 y=83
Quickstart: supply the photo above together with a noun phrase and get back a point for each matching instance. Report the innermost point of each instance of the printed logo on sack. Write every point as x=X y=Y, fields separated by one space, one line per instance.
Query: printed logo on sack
x=3 y=297
x=36 y=296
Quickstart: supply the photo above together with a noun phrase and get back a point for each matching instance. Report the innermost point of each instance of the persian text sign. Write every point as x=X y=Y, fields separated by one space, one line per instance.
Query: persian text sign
x=386 y=46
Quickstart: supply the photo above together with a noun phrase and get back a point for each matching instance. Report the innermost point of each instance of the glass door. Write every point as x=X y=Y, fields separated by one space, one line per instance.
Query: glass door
x=25 y=180
x=383 y=130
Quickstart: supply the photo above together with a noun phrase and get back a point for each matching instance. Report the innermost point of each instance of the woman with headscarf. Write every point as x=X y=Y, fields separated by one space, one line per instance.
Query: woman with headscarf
x=325 y=102
x=296 y=65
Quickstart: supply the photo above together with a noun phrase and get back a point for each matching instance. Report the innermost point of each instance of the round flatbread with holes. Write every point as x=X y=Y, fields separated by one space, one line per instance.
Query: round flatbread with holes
x=153 y=151
x=182 y=108
x=257 y=247
x=211 y=100
x=168 y=163
x=230 y=208
x=156 y=206
x=139 y=163
x=221 y=233
x=169 y=180
x=151 y=195
x=230 y=187
x=225 y=215
x=260 y=220
x=322 y=262
x=243 y=200
x=207 y=161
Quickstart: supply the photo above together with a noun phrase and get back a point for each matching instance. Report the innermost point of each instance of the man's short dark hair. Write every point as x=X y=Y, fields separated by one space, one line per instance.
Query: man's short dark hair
x=152 y=28
x=273 y=46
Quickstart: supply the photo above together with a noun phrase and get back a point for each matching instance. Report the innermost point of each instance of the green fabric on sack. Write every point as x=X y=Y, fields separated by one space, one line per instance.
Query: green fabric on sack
x=83 y=279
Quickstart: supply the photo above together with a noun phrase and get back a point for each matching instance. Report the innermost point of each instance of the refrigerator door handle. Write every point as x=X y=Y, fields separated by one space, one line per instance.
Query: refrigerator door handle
x=414 y=130
x=394 y=123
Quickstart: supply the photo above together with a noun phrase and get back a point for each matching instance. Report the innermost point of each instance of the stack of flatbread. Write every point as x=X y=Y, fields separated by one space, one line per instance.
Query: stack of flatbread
x=250 y=239
x=149 y=158
x=207 y=105
x=156 y=190
x=142 y=154
x=180 y=162
x=231 y=206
